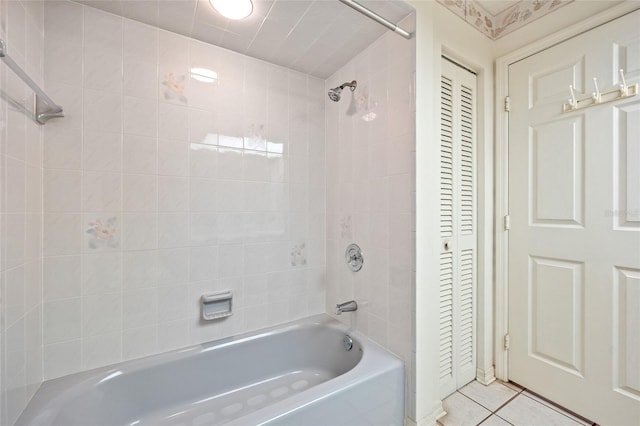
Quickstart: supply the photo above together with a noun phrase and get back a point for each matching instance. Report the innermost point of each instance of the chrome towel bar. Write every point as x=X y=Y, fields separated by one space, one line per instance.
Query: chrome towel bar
x=45 y=108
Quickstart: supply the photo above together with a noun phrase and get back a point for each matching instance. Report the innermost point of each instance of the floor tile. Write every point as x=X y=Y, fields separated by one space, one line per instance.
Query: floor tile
x=495 y=421
x=491 y=396
x=524 y=411
x=462 y=411
x=558 y=409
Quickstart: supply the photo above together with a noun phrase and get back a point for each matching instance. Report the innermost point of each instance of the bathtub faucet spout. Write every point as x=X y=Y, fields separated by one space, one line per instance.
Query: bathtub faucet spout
x=349 y=306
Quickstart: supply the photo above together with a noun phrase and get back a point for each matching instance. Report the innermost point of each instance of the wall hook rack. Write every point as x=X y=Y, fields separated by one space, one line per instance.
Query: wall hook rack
x=621 y=91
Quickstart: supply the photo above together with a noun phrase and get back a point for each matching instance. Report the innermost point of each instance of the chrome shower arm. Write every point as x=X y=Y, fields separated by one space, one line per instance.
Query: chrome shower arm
x=351 y=85
x=334 y=94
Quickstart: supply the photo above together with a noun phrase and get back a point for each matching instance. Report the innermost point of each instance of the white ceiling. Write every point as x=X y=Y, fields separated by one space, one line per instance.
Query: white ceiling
x=316 y=37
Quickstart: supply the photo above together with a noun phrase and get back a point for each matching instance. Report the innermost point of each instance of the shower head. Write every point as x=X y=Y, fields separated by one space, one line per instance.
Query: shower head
x=334 y=94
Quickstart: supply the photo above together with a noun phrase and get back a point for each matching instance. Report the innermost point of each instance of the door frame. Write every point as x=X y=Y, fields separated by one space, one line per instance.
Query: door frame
x=501 y=207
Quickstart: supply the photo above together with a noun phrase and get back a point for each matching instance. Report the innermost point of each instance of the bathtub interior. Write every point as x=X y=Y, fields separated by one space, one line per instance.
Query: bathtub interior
x=211 y=383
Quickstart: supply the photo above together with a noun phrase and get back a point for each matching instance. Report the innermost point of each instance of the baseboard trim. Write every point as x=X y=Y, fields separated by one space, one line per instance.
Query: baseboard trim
x=486 y=377
x=428 y=420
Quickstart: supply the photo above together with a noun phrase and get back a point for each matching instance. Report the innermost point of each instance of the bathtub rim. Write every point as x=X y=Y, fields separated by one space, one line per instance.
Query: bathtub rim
x=375 y=360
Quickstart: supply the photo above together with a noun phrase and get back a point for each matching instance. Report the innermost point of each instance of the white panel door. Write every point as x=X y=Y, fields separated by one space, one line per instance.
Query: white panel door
x=574 y=243
x=457 y=228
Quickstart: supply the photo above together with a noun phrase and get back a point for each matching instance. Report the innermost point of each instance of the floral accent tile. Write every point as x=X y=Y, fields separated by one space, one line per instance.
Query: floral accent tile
x=255 y=137
x=345 y=228
x=522 y=13
x=505 y=22
x=480 y=18
x=103 y=234
x=298 y=255
x=366 y=105
x=174 y=87
x=456 y=6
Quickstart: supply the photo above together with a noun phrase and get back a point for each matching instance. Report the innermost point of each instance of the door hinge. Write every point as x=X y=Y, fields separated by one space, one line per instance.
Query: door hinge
x=507 y=104
x=507 y=343
x=507 y=222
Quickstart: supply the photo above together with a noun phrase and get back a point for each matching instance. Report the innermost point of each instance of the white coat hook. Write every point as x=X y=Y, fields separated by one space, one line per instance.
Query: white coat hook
x=596 y=95
x=623 y=86
x=572 y=101
x=615 y=93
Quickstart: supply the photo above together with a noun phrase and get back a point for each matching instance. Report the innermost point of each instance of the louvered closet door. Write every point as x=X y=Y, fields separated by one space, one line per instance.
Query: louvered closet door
x=457 y=228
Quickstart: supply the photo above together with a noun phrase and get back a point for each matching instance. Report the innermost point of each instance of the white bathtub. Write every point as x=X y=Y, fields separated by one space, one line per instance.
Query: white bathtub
x=295 y=374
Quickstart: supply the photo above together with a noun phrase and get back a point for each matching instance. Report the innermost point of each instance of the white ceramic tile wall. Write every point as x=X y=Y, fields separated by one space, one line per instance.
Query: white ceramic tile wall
x=371 y=192
x=160 y=187
x=21 y=27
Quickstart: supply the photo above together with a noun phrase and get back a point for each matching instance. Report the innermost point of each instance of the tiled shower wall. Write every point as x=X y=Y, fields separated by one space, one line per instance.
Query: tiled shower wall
x=21 y=28
x=371 y=192
x=165 y=182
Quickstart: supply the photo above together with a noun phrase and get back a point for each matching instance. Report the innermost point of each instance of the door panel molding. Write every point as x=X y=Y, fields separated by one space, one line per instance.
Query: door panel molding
x=556 y=312
x=626 y=203
x=626 y=314
x=557 y=200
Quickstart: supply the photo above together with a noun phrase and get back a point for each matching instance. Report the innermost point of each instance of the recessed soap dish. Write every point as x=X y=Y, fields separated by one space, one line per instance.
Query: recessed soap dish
x=216 y=305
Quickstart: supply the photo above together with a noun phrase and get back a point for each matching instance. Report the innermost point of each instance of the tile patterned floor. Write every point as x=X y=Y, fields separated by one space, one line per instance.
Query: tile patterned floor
x=503 y=404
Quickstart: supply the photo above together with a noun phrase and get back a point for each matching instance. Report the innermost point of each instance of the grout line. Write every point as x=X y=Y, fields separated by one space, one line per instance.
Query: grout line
x=500 y=407
x=507 y=402
x=552 y=405
x=494 y=412
x=501 y=418
x=477 y=403
x=558 y=408
x=485 y=419
x=473 y=400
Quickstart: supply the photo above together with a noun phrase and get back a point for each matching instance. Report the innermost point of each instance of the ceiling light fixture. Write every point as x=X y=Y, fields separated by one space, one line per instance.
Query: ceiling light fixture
x=233 y=9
